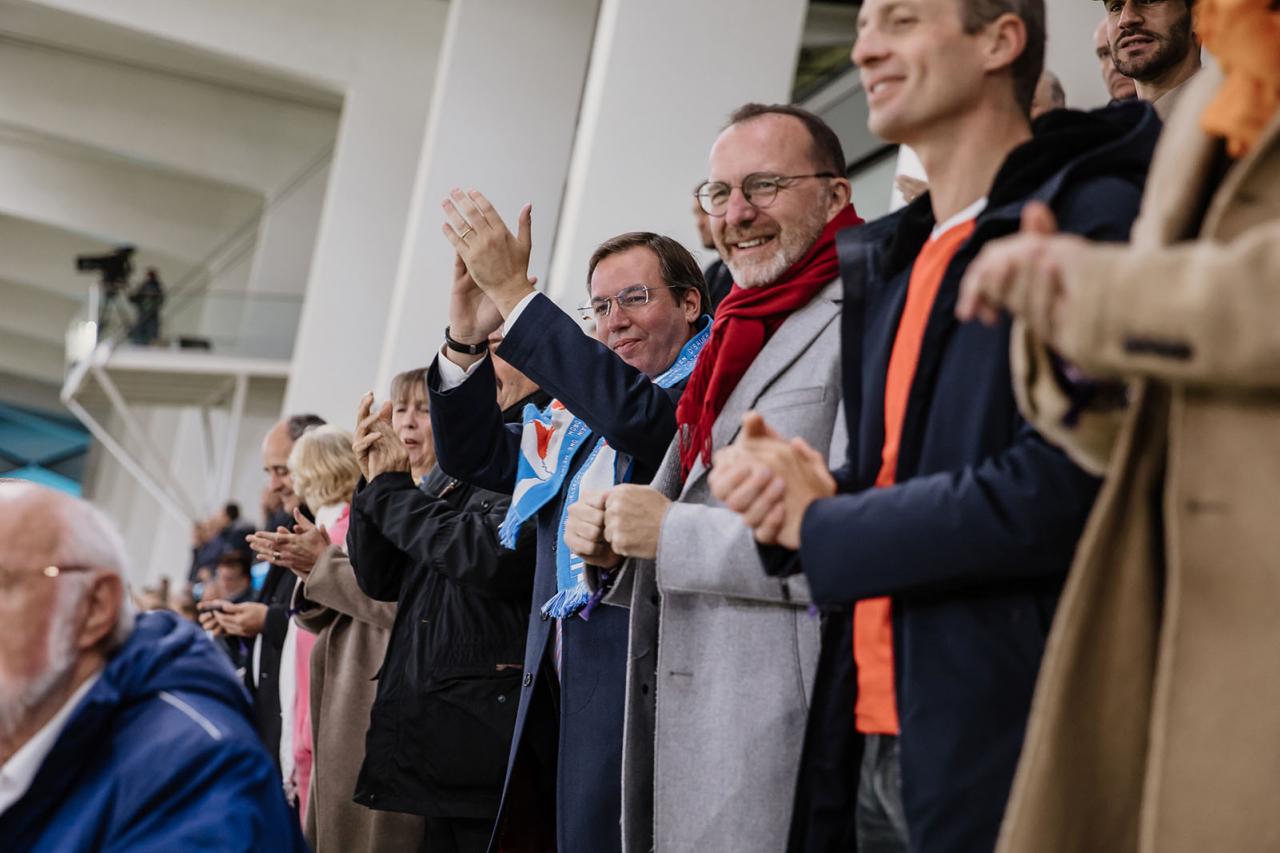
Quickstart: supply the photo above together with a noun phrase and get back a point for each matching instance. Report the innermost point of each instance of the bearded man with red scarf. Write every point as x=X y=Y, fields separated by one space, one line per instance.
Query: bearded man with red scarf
x=730 y=651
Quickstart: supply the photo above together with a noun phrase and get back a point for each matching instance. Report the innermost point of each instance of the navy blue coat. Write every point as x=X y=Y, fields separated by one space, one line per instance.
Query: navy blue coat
x=472 y=443
x=159 y=755
x=974 y=541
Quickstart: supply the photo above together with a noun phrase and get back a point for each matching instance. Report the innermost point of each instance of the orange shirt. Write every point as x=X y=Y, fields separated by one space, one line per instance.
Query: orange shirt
x=877 y=710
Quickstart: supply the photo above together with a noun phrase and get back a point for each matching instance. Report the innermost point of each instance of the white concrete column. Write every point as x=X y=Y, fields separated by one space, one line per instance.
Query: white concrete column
x=665 y=74
x=502 y=120
x=362 y=231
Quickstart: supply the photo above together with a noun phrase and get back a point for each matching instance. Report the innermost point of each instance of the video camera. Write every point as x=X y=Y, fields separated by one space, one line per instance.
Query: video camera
x=115 y=267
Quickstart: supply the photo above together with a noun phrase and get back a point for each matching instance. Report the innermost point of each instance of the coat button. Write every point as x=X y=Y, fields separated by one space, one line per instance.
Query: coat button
x=502 y=697
x=528 y=679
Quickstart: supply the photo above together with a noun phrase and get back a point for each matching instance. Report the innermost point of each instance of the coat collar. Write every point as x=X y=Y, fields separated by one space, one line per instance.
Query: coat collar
x=1169 y=206
x=781 y=351
x=1234 y=185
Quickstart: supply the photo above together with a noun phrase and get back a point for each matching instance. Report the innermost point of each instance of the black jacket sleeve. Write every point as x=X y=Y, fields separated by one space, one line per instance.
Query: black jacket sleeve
x=617 y=401
x=379 y=566
x=460 y=543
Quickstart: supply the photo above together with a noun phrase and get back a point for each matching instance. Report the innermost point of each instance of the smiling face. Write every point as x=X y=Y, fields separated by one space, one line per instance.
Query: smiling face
x=760 y=244
x=1119 y=87
x=918 y=66
x=1148 y=37
x=276 y=448
x=648 y=337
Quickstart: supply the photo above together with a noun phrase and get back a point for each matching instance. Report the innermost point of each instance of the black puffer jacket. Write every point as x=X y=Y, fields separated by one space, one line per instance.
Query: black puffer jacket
x=440 y=727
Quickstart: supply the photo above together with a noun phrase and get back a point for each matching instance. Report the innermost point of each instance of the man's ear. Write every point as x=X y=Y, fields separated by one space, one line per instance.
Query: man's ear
x=101 y=607
x=841 y=191
x=692 y=303
x=1005 y=43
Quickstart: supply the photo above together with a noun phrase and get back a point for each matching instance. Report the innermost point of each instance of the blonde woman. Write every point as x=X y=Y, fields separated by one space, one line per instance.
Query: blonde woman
x=350 y=638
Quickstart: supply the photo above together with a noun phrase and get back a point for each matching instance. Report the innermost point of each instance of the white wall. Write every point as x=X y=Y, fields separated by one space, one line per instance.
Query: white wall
x=1070 y=51
x=505 y=128
x=659 y=90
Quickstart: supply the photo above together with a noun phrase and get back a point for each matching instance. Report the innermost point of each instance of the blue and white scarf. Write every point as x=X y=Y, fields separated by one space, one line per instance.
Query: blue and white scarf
x=549 y=440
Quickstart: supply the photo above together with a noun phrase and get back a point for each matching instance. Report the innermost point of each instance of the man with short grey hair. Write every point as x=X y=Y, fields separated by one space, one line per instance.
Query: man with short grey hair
x=116 y=731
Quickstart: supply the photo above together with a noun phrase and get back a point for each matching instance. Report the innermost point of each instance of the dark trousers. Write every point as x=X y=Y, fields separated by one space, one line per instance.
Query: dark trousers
x=457 y=835
x=879 y=816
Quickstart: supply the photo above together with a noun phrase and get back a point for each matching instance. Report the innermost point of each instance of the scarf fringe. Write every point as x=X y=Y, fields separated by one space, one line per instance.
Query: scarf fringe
x=567 y=602
x=509 y=530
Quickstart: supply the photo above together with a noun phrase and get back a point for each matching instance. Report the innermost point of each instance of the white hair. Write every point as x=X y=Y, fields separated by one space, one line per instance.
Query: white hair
x=86 y=538
x=90 y=539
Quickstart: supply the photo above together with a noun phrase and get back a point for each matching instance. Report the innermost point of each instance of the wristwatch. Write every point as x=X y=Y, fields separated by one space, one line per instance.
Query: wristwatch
x=470 y=349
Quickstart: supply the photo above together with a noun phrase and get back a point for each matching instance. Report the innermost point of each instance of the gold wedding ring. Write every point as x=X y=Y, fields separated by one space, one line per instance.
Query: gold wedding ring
x=464 y=234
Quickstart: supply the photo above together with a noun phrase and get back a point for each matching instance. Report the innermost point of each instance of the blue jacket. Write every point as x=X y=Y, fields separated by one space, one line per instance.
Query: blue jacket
x=974 y=541
x=160 y=755
x=472 y=444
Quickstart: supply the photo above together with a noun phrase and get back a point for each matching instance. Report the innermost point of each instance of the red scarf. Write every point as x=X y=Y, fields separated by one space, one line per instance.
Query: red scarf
x=745 y=321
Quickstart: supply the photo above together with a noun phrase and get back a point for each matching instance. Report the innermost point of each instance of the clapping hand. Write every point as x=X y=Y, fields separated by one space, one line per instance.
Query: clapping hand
x=497 y=260
x=296 y=550
x=377 y=447
x=770 y=481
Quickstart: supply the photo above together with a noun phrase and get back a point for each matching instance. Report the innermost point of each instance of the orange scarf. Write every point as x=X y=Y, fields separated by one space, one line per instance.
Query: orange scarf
x=1244 y=35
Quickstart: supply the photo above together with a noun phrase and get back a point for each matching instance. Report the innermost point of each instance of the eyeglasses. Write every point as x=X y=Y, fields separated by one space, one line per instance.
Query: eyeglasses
x=10 y=577
x=759 y=189
x=627 y=298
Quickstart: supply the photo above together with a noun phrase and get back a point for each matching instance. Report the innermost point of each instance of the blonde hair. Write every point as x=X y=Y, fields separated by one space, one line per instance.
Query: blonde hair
x=407 y=386
x=323 y=466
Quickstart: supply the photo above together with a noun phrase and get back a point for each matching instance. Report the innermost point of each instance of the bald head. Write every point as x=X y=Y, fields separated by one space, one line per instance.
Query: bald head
x=1049 y=95
x=42 y=527
x=276 y=448
x=1119 y=87
x=63 y=603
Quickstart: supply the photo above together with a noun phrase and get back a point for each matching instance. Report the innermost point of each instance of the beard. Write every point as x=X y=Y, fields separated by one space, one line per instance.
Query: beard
x=793 y=243
x=1170 y=50
x=20 y=696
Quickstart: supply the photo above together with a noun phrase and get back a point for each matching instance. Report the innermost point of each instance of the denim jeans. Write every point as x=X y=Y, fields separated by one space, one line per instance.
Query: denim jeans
x=879 y=818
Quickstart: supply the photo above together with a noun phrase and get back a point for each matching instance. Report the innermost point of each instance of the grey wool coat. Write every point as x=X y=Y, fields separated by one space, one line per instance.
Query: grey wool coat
x=351 y=641
x=722 y=657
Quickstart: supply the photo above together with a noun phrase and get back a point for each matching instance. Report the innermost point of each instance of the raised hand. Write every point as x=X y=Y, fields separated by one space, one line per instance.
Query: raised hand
x=364 y=423
x=379 y=447
x=497 y=259
x=472 y=314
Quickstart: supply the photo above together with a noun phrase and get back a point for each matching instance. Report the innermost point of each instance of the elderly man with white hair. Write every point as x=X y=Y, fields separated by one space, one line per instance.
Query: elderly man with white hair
x=116 y=731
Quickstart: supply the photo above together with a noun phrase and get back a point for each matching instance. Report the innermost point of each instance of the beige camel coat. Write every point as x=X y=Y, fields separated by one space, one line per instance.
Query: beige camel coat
x=351 y=639
x=1156 y=722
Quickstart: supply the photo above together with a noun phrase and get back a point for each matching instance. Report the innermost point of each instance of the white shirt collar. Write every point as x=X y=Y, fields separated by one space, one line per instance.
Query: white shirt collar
x=973 y=211
x=20 y=770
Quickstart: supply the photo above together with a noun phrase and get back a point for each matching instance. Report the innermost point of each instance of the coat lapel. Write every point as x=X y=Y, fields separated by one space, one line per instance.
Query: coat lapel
x=1168 y=207
x=781 y=351
x=1236 y=180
